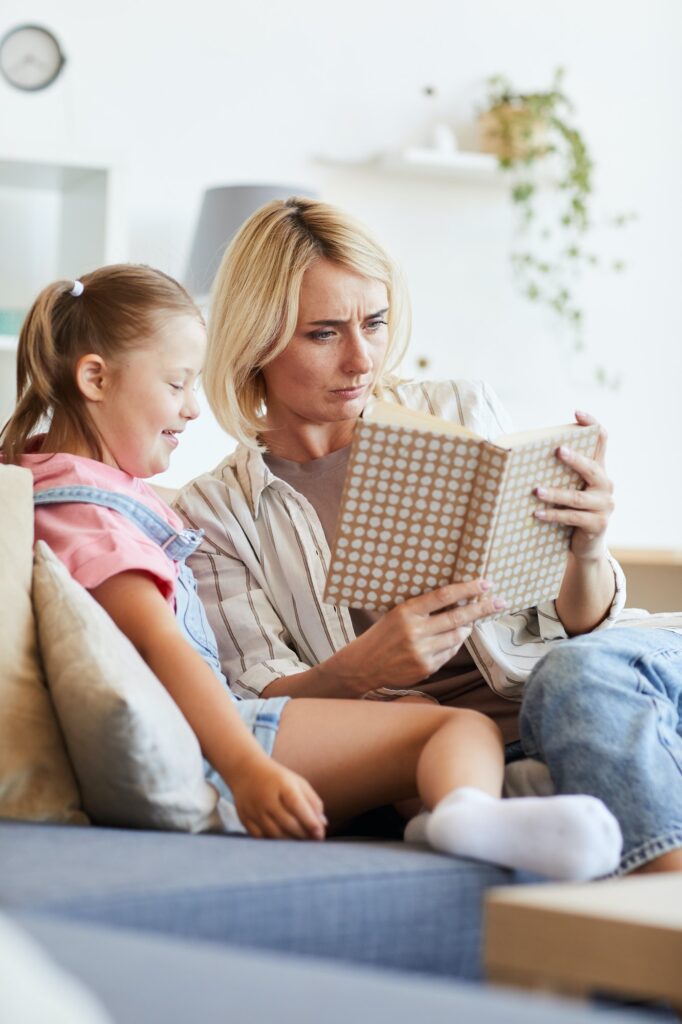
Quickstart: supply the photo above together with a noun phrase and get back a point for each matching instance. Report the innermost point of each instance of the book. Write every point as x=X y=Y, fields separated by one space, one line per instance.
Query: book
x=428 y=502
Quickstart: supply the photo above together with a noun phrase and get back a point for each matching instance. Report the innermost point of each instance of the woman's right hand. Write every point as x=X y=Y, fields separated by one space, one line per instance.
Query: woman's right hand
x=275 y=803
x=415 y=638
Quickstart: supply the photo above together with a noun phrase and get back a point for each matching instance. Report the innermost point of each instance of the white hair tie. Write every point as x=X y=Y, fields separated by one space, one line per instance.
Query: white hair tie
x=78 y=289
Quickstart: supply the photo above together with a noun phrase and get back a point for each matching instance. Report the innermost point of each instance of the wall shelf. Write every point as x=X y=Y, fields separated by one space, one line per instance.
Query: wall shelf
x=460 y=165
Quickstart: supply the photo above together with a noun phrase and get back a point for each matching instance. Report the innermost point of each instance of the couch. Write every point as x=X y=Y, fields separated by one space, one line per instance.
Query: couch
x=149 y=912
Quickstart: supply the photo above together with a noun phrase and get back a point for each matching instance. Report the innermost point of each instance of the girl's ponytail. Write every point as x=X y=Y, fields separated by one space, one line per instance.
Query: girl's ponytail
x=37 y=365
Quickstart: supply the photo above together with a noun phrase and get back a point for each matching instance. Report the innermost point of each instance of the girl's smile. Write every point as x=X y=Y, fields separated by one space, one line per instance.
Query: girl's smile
x=141 y=405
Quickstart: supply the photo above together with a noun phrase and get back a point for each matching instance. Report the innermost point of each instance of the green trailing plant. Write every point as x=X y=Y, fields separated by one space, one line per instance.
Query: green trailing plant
x=523 y=130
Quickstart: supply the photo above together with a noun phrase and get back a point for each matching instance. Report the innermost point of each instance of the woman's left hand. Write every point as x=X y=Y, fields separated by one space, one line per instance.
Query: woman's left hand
x=587 y=510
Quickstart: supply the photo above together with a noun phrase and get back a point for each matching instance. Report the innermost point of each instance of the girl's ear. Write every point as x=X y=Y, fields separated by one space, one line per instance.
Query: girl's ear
x=91 y=376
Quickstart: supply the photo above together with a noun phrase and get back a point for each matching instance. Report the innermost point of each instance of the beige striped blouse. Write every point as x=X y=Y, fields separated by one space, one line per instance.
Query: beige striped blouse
x=262 y=565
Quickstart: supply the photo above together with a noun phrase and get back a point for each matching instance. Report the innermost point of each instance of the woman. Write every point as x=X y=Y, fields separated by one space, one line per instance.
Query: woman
x=309 y=318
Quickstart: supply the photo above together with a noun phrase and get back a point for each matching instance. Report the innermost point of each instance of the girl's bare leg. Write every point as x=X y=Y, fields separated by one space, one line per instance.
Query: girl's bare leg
x=363 y=755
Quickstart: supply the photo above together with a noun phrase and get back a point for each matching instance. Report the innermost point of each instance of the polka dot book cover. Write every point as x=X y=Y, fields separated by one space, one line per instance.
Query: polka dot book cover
x=428 y=502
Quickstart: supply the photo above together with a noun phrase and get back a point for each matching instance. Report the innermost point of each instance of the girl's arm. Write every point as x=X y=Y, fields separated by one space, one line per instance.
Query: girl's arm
x=270 y=800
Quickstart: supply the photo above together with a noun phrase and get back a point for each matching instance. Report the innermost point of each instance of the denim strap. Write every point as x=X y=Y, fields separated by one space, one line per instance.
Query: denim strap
x=178 y=546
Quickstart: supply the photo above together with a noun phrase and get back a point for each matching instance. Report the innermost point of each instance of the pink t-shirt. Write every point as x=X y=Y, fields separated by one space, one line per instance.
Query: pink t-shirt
x=95 y=543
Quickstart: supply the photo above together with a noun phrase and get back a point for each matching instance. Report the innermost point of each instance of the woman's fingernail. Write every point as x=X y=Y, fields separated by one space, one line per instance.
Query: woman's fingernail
x=485 y=584
x=541 y=492
x=499 y=603
x=540 y=513
x=565 y=451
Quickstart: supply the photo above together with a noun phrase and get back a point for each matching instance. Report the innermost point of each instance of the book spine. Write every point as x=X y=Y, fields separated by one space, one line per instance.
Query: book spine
x=482 y=512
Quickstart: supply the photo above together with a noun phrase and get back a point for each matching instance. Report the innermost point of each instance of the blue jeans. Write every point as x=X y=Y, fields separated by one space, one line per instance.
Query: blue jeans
x=604 y=713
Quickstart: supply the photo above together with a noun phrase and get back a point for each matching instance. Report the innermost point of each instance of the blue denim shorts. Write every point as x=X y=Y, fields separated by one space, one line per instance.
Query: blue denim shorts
x=262 y=718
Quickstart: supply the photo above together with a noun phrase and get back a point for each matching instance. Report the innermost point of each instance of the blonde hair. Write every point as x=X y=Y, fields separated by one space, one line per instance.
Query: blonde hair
x=254 y=307
x=118 y=310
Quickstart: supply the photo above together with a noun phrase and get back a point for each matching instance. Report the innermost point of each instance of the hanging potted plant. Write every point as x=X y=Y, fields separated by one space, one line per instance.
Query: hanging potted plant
x=523 y=130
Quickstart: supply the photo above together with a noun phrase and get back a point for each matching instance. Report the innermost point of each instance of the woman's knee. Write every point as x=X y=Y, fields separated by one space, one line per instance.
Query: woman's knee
x=580 y=662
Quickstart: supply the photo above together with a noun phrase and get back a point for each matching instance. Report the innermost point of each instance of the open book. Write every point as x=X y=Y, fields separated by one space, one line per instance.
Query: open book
x=428 y=502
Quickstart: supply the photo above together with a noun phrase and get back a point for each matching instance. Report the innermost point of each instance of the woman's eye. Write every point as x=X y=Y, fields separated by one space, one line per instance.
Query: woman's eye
x=323 y=335
x=177 y=387
x=374 y=325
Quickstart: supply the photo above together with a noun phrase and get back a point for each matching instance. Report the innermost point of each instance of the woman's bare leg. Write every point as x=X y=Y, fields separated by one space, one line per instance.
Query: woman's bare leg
x=667 y=862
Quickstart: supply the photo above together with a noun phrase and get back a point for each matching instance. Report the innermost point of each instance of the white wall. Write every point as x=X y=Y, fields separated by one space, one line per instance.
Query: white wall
x=188 y=96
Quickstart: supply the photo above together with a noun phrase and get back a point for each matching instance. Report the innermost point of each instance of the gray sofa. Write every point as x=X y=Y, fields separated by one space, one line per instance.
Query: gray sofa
x=168 y=925
x=370 y=902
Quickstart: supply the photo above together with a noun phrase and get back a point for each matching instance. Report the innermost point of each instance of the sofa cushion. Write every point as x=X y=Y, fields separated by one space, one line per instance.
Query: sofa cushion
x=36 y=779
x=143 y=978
x=382 y=903
x=136 y=758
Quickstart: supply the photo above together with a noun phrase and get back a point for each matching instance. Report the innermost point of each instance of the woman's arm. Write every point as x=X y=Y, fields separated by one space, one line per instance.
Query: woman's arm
x=270 y=800
x=259 y=656
x=405 y=646
x=588 y=586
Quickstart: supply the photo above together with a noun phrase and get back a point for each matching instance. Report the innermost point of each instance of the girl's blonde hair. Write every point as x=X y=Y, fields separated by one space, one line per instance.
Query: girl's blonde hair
x=118 y=309
x=255 y=300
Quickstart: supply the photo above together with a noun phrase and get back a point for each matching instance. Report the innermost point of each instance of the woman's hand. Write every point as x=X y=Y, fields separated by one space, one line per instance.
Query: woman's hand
x=275 y=803
x=587 y=510
x=414 y=639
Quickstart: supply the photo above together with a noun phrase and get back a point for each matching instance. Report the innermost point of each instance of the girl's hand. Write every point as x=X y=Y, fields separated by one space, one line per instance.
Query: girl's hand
x=275 y=803
x=413 y=639
x=588 y=511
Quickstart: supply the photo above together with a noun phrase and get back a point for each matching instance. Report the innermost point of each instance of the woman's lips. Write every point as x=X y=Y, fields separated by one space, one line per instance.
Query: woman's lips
x=347 y=393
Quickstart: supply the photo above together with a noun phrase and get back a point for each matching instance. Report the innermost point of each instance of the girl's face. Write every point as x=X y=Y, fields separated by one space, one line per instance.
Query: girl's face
x=149 y=397
x=327 y=371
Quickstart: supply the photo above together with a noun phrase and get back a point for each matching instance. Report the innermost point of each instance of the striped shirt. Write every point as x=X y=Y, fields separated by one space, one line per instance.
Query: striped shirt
x=262 y=566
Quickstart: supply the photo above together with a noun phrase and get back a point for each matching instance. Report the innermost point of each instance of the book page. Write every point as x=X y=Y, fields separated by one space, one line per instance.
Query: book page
x=389 y=413
x=564 y=430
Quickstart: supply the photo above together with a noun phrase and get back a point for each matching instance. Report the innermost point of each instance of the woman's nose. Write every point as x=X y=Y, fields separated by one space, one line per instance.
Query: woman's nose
x=358 y=358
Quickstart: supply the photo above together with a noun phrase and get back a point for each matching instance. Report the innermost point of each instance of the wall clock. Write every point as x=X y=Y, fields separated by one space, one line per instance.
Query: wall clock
x=30 y=57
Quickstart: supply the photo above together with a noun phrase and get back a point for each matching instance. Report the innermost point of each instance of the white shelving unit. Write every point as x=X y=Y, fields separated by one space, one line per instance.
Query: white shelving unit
x=59 y=217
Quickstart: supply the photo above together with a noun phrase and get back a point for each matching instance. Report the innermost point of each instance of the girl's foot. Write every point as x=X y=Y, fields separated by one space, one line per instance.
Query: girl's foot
x=562 y=837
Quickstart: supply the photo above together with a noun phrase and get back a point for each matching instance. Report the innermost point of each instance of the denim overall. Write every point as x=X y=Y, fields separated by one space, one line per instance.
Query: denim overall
x=261 y=716
x=189 y=611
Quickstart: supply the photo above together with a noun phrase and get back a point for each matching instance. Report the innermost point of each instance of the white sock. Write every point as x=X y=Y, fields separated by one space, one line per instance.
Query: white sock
x=561 y=837
x=415 y=830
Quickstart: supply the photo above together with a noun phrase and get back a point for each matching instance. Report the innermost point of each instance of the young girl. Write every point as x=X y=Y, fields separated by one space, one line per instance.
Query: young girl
x=108 y=366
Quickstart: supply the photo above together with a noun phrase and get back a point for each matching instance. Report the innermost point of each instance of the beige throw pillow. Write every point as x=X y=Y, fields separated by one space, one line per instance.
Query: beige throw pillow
x=136 y=758
x=36 y=779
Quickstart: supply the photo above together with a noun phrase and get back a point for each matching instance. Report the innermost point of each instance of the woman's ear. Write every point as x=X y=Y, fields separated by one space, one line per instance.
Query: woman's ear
x=92 y=376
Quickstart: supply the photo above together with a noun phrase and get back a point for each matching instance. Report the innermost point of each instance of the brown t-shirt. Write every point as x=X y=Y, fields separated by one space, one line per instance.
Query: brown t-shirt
x=458 y=683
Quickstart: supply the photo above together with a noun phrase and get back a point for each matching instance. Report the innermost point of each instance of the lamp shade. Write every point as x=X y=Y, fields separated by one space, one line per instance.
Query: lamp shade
x=223 y=211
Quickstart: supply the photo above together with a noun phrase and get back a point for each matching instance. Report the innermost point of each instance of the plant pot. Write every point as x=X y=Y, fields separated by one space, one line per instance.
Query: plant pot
x=513 y=131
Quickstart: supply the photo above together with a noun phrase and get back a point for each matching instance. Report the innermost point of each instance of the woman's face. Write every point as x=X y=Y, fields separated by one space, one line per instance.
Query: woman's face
x=327 y=371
